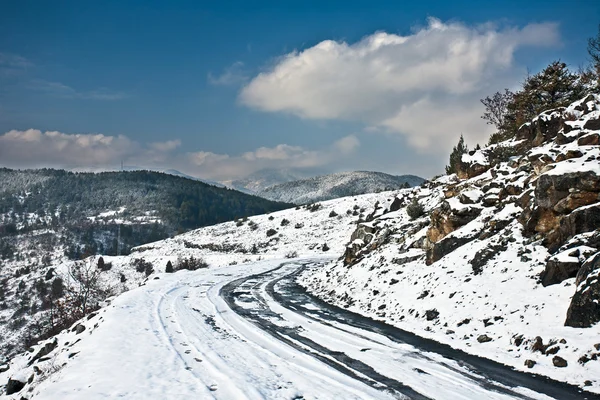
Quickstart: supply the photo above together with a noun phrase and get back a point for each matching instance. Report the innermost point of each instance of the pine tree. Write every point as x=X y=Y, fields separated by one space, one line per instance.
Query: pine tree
x=456 y=155
x=169 y=268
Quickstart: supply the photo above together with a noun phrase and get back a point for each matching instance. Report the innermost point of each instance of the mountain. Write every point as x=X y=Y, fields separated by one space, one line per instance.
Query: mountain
x=181 y=174
x=260 y=180
x=499 y=261
x=327 y=187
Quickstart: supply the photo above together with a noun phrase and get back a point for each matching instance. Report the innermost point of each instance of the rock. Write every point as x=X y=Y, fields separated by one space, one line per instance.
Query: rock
x=79 y=328
x=484 y=338
x=396 y=204
x=539 y=161
x=585 y=219
x=538 y=345
x=529 y=363
x=14 y=386
x=446 y=246
x=592 y=139
x=445 y=221
x=4 y=368
x=550 y=189
x=568 y=155
x=484 y=255
x=44 y=351
x=431 y=314
x=469 y=170
x=584 y=310
x=557 y=271
x=592 y=124
x=552 y=350
x=559 y=362
x=575 y=200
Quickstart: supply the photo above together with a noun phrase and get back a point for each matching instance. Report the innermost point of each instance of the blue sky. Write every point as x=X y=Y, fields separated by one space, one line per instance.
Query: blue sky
x=221 y=90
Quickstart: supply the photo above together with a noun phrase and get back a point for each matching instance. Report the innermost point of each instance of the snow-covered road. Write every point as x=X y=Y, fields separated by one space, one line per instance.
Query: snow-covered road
x=251 y=333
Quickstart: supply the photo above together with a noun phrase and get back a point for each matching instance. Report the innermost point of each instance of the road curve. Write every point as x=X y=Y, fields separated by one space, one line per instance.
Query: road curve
x=381 y=356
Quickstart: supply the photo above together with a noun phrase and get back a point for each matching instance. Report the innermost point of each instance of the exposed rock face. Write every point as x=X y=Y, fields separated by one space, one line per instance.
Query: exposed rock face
x=557 y=271
x=542 y=129
x=360 y=237
x=584 y=310
x=444 y=220
x=14 y=386
x=44 y=351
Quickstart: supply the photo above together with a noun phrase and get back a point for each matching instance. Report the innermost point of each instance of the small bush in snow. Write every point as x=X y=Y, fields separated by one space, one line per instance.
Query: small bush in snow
x=271 y=232
x=415 y=209
x=314 y=207
x=325 y=247
x=285 y=222
x=292 y=254
x=191 y=263
x=299 y=225
x=271 y=218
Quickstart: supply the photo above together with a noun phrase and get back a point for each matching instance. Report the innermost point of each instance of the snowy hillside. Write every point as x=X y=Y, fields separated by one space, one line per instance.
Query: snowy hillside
x=502 y=261
x=327 y=187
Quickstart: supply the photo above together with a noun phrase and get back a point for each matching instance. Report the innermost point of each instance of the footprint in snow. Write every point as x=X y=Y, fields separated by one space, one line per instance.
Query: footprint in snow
x=213 y=388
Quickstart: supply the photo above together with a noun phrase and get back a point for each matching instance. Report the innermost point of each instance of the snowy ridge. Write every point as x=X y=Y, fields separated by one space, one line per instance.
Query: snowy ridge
x=327 y=187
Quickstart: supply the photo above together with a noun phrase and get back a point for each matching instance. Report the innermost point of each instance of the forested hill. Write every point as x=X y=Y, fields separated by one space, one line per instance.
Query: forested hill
x=158 y=204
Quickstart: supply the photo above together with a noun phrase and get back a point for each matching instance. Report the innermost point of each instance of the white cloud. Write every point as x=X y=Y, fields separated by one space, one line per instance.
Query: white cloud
x=169 y=145
x=233 y=75
x=347 y=144
x=426 y=85
x=33 y=148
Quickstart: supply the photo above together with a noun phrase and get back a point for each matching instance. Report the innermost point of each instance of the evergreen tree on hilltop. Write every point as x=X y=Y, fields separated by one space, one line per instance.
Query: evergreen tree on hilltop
x=456 y=155
x=554 y=86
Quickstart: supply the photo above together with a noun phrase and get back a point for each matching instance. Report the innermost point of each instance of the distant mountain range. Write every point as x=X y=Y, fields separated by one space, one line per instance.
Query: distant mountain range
x=327 y=187
x=261 y=180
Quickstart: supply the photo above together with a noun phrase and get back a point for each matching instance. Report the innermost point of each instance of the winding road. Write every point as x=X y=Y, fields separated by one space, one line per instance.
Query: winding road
x=253 y=333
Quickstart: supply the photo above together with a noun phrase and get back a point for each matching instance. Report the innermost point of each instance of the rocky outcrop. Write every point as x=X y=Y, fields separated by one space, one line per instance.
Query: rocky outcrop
x=14 y=386
x=584 y=310
x=542 y=129
x=558 y=270
x=445 y=220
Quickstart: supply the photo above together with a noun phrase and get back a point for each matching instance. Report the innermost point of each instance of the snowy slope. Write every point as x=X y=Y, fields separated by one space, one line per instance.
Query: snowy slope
x=494 y=262
x=327 y=187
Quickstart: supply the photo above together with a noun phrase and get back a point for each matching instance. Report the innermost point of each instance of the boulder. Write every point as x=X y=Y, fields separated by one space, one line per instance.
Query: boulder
x=446 y=246
x=529 y=363
x=592 y=139
x=444 y=220
x=584 y=310
x=575 y=200
x=484 y=338
x=584 y=219
x=44 y=351
x=14 y=386
x=550 y=189
x=559 y=362
x=558 y=270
